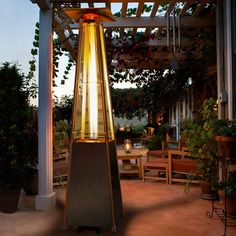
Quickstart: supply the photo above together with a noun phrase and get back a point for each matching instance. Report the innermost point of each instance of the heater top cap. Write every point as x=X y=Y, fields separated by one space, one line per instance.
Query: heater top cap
x=104 y=14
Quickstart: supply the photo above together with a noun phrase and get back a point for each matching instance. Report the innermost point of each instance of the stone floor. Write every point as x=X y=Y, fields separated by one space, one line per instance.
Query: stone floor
x=150 y=209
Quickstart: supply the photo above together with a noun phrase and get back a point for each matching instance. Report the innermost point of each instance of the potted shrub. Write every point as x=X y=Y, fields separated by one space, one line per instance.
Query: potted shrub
x=200 y=139
x=228 y=188
x=14 y=127
x=226 y=139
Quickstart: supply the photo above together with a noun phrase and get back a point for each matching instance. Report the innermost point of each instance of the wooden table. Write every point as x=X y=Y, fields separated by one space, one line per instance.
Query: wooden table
x=135 y=167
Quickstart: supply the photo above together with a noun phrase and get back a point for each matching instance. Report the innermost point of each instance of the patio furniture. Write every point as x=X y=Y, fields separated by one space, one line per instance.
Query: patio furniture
x=157 y=163
x=180 y=165
x=134 y=159
x=159 y=166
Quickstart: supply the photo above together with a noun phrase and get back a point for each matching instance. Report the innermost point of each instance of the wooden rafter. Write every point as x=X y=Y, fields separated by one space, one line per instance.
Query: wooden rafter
x=155 y=8
x=158 y=21
x=139 y=13
x=157 y=51
x=185 y=8
x=200 y=8
x=123 y=14
x=170 y=8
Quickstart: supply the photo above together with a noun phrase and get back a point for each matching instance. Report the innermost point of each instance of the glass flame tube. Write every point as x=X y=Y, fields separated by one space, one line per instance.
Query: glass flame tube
x=92 y=112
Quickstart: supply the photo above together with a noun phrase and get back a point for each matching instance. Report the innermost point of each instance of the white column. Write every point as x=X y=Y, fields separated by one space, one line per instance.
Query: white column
x=184 y=108
x=229 y=58
x=220 y=39
x=45 y=199
x=177 y=115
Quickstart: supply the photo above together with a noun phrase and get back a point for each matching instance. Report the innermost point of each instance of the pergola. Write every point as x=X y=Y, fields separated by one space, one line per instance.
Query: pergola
x=168 y=33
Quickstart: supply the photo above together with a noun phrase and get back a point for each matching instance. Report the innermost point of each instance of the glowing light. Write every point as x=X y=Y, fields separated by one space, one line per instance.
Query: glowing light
x=92 y=80
x=92 y=112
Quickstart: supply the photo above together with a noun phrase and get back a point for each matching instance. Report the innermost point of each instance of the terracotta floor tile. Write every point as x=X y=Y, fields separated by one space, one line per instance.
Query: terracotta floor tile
x=150 y=209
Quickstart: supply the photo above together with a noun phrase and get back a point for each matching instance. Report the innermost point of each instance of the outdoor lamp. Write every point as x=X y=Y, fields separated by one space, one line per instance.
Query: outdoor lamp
x=127 y=146
x=93 y=191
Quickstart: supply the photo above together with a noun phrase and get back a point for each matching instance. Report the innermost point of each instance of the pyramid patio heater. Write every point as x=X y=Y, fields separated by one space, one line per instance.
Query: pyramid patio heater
x=93 y=192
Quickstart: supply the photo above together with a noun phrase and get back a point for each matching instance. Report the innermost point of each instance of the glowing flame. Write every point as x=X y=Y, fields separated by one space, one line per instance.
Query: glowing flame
x=90 y=90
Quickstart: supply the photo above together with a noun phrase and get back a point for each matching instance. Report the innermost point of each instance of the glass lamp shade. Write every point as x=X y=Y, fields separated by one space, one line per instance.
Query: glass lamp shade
x=92 y=111
x=127 y=146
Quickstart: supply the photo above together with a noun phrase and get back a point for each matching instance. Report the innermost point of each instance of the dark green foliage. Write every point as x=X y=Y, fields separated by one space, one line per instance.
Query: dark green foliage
x=155 y=91
x=127 y=103
x=58 y=51
x=226 y=128
x=229 y=186
x=155 y=143
x=200 y=138
x=18 y=130
x=62 y=110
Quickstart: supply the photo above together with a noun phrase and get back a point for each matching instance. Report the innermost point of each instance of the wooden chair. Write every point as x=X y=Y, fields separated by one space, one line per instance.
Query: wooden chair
x=157 y=163
x=180 y=165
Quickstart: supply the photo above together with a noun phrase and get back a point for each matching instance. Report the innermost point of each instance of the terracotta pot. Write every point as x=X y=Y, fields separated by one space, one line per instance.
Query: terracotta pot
x=226 y=147
x=207 y=192
x=9 y=199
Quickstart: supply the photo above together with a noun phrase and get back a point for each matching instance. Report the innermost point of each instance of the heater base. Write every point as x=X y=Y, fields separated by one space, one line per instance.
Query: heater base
x=81 y=228
x=93 y=191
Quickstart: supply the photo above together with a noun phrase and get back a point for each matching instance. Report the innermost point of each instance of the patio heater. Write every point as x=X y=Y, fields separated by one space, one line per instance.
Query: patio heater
x=93 y=192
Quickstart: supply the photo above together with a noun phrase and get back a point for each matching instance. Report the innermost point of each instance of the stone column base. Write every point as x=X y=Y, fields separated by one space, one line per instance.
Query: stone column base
x=45 y=203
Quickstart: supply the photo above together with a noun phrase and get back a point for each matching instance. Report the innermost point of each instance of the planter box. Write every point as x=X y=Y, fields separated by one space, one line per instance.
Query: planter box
x=226 y=147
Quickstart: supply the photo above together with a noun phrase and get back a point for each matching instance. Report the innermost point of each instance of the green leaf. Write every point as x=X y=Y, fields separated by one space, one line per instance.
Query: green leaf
x=36 y=31
x=34 y=52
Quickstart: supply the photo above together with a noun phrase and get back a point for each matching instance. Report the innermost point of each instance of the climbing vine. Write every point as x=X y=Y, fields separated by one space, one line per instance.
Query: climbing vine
x=58 y=51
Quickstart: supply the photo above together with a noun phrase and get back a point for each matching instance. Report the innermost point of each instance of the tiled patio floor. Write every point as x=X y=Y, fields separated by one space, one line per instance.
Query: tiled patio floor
x=150 y=209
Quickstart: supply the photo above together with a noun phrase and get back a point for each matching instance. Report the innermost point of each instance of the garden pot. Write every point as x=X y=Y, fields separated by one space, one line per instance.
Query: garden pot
x=230 y=203
x=9 y=199
x=226 y=147
x=207 y=192
x=31 y=188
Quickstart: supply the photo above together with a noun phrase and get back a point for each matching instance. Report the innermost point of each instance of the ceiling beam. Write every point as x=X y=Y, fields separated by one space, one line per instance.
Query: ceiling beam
x=158 y=21
x=125 y=1
x=43 y=4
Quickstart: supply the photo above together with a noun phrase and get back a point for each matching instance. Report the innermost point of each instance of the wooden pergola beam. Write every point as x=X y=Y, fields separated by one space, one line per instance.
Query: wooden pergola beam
x=155 y=8
x=157 y=21
x=124 y=1
x=185 y=8
x=43 y=4
x=199 y=8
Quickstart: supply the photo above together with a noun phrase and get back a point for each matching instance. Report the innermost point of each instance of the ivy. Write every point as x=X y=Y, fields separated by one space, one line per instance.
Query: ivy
x=58 y=51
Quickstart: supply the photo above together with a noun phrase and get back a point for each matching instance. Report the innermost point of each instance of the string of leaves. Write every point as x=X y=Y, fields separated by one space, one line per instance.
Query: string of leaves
x=58 y=51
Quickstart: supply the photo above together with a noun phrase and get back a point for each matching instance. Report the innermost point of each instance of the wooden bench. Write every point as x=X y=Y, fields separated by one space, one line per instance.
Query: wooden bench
x=179 y=162
x=157 y=165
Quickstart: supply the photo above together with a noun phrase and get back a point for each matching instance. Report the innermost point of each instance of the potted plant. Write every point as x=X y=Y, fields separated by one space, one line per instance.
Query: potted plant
x=200 y=139
x=226 y=139
x=14 y=127
x=228 y=188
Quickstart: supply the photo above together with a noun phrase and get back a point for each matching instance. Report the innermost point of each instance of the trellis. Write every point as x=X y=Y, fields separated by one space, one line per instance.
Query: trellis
x=151 y=32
